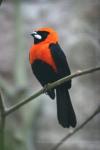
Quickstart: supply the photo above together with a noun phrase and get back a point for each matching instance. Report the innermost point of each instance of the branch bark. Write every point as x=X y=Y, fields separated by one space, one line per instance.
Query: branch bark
x=2 y=123
x=50 y=86
x=96 y=112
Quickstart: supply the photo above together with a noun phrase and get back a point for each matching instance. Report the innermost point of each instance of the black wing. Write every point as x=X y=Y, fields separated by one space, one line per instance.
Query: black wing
x=61 y=62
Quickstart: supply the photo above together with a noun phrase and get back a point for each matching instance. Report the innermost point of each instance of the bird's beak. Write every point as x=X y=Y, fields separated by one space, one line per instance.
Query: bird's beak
x=36 y=35
x=33 y=34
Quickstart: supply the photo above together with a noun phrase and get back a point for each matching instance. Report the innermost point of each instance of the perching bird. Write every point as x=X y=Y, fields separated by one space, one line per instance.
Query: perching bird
x=49 y=64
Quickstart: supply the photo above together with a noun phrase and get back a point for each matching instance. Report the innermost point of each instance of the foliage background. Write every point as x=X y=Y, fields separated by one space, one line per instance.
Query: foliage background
x=35 y=125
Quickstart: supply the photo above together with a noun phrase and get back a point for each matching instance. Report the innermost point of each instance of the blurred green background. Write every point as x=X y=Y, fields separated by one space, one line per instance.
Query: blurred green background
x=35 y=126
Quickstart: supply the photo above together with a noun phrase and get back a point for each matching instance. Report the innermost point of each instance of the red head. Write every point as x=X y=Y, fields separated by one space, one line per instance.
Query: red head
x=45 y=35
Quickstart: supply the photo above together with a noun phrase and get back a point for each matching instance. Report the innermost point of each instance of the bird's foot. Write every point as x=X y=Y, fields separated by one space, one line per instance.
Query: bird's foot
x=46 y=88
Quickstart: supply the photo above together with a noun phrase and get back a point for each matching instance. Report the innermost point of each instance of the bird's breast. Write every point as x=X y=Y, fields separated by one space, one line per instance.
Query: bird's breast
x=42 y=53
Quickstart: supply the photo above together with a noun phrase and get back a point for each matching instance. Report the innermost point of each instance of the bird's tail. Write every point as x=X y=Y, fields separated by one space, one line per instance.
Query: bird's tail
x=65 y=111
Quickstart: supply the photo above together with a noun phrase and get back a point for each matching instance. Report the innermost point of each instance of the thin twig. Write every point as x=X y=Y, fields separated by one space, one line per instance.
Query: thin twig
x=50 y=86
x=2 y=123
x=2 y=107
x=96 y=112
x=23 y=102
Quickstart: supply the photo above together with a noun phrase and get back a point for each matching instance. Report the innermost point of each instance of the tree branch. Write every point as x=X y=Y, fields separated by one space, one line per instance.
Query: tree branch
x=50 y=86
x=2 y=123
x=96 y=112
x=2 y=107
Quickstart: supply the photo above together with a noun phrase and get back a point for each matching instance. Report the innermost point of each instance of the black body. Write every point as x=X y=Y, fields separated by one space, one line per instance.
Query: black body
x=46 y=74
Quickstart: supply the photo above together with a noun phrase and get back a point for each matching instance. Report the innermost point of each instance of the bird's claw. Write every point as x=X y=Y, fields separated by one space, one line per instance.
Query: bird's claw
x=46 y=88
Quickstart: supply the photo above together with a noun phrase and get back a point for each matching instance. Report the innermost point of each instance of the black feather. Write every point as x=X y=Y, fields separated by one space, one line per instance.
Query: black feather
x=61 y=62
x=65 y=112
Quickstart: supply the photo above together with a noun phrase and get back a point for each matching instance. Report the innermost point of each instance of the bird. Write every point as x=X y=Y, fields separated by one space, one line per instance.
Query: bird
x=49 y=64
